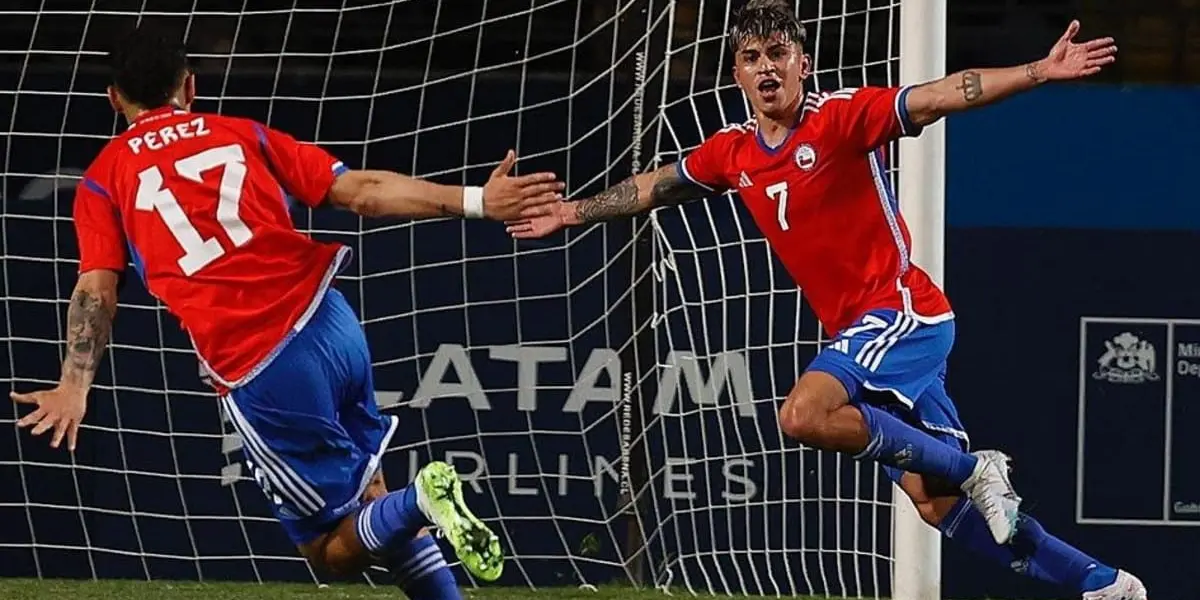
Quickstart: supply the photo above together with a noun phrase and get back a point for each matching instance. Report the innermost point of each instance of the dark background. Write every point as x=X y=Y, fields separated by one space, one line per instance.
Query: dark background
x=1070 y=202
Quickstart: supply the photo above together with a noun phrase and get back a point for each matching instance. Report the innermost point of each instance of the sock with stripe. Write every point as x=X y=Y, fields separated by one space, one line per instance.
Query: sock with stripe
x=421 y=570
x=897 y=444
x=389 y=521
x=1033 y=551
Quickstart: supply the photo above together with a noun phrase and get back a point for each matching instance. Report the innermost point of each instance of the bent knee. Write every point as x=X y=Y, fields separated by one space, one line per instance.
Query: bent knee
x=798 y=420
x=807 y=407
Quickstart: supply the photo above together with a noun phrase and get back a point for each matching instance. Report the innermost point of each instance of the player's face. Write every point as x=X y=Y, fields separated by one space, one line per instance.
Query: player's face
x=771 y=72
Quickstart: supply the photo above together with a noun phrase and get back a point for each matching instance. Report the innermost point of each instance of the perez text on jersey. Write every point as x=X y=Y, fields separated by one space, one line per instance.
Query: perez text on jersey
x=199 y=204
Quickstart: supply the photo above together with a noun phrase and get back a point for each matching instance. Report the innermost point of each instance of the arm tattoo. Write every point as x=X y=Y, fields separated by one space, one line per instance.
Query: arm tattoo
x=625 y=198
x=670 y=188
x=972 y=86
x=616 y=201
x=1033 y=72
x=89 y=323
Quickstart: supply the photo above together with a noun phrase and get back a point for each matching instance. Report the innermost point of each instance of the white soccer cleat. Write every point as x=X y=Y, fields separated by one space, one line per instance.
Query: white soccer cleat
x=1126 y=587
x=992 y=494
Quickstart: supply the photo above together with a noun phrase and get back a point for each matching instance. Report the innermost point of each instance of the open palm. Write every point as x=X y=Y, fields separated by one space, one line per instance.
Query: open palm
x=532 y=225
x=1071 y=60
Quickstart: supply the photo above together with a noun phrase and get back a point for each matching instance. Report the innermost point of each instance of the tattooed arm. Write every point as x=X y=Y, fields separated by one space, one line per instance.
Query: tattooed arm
x=633 y=195
x=929 y=102
x=630 y=197
x=979 y=87
x=89 y=323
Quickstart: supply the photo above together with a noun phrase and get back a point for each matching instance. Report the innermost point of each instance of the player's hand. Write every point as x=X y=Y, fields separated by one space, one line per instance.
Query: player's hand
x=1071 y=60
x=60 y=409
x=533 y=226
x=506 y=197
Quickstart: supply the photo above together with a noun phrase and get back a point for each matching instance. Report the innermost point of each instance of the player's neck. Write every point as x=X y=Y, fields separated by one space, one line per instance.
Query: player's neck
x=133 y=112
x=774 y=130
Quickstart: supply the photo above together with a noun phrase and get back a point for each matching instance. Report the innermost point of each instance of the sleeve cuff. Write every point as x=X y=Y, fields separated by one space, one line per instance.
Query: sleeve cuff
x=682 y=170
x=339 y=168
x=116 y=266
x=907 y=127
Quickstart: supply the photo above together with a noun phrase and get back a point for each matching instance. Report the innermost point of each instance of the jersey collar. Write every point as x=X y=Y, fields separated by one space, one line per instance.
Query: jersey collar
x=157 y=113
x=769 y=149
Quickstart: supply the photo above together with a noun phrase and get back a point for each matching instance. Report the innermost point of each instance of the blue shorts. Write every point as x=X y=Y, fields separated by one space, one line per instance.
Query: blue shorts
x=895 y=362
x=311 y=432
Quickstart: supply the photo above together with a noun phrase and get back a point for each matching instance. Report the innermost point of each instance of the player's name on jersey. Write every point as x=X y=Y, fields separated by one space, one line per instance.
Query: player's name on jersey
x=157 y=139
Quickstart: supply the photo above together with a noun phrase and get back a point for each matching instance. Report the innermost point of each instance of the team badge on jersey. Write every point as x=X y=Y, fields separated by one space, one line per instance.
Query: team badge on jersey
x=805 y=157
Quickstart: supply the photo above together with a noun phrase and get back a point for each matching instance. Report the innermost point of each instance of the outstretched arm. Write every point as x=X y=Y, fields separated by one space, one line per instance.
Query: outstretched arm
x=387 y=194
x=979 y=87
x=89 y=325
x=634 y=195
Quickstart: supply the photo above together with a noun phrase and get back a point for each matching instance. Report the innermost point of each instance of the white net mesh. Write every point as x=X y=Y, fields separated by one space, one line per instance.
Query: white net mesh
x=765 y=516
x=644 y=357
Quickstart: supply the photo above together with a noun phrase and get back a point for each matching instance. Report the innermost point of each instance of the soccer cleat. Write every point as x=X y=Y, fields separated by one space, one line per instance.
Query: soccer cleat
x=440 y=498
x=992 y=494
x=1126 y=587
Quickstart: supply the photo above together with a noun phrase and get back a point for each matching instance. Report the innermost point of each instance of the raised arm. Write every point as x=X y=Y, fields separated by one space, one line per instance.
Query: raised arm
x=387 y=194
x=972 y=88
x=633 y=195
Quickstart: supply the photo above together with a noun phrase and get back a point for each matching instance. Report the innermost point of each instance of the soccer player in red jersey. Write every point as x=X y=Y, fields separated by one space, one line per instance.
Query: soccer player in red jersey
x=810 y=169
x=199 y=204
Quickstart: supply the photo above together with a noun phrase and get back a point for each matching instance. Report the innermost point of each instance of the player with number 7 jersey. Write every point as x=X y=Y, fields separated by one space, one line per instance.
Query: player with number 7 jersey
x=810 y=169
x=199 y=203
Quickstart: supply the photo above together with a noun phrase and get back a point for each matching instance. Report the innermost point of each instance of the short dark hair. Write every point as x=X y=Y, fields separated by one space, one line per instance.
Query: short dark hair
x=760 y=19
x=148 y=66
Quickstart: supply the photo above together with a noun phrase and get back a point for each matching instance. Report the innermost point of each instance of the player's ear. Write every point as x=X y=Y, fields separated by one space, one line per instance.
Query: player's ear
x=188 y=92
x=737 y=73
x=805 y=65
x=114 y=99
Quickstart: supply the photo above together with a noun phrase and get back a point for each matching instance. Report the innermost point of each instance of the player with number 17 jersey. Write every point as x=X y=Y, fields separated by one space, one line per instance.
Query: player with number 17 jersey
x=199 y=203
x=227 y=178
x=824 y=201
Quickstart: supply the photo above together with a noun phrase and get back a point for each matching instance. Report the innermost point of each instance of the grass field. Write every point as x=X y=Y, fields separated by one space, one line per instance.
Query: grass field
x=29 y=589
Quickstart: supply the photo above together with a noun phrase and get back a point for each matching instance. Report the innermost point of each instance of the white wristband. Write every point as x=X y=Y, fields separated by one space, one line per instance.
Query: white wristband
x=472 y=202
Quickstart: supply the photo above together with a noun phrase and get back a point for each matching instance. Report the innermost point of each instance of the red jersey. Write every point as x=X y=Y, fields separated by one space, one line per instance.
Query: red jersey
x=823 y=200
x=198 y=202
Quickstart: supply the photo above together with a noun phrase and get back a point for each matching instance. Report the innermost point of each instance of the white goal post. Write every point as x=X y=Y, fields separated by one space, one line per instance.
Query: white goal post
x=610 y=394
x=917 y=548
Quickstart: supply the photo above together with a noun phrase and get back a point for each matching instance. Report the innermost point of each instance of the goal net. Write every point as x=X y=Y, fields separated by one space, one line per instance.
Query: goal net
x=608 y=394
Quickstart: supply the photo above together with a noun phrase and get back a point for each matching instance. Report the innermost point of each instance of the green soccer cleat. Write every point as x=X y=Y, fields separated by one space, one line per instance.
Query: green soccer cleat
x=440 y=497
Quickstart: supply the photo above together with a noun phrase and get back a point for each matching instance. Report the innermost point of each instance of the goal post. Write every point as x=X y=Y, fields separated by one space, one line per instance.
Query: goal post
x=916 y=547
